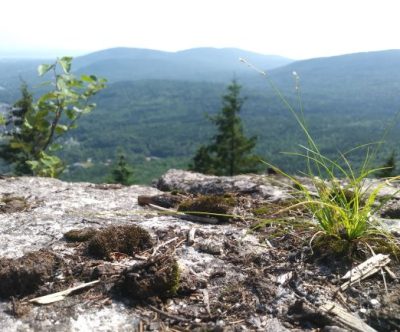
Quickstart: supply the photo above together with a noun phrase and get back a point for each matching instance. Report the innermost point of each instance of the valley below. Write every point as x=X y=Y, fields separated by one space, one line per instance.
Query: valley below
x=155 y=107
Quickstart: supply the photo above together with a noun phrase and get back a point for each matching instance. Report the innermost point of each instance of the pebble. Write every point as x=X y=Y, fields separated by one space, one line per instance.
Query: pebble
x=375 y=303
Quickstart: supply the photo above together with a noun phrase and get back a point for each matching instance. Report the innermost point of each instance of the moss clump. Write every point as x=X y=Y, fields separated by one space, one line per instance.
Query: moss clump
x=158 y=277
x=330 y=246
x=263 y=210
x=338 y=248
x=220 y=207
x=24 y=275
x=125 y=239
x=80 y=235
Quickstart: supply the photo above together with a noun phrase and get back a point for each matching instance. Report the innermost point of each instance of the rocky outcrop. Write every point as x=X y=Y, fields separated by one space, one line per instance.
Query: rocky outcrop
x=157 y=270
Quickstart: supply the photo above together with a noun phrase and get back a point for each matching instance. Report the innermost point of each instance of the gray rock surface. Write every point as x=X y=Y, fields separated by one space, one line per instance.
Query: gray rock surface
x=262 y=186
x=55 y=207
x=36 y=212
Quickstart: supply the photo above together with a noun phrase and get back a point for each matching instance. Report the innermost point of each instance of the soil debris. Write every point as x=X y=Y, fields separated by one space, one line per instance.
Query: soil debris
x=108 y=186
x=159 y=276
x=24 y=275
x=385 y=315
x=165 y=200
x=80 y=235
x=18 y=308
x=218 y=206
x=127 y=239
x=10 y=203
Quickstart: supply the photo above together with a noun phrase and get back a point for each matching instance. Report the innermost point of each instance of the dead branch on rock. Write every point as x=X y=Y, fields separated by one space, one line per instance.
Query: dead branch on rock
x=344 y=317
x=190 y=236
x=365 y=269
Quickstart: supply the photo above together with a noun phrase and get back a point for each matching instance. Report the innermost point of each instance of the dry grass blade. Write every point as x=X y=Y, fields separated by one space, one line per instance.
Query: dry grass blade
x=59 y=296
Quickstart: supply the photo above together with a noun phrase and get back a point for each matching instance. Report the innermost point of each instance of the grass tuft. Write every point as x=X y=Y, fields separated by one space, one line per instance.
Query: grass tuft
x=339 y=198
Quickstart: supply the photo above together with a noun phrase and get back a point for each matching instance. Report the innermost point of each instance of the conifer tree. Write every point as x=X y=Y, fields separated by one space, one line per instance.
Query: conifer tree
x=388 y=168
x=15 y=130
x=122 y=173
x=230 y=151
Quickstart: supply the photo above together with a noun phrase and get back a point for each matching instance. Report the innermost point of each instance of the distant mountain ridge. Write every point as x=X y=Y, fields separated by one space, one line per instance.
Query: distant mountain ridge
x=199 y=64
x=202 y=55
x=351 y=82
x=127 y=64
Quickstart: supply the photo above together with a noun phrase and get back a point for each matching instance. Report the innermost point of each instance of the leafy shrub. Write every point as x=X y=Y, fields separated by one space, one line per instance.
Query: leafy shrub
x=31 y=145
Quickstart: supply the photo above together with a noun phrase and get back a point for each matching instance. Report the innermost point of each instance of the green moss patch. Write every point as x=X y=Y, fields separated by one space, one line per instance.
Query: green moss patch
x=124 y=239
x=337 y=248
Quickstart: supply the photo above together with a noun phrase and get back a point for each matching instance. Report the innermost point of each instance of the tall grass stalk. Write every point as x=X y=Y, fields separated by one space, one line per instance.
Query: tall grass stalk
x=339 y=198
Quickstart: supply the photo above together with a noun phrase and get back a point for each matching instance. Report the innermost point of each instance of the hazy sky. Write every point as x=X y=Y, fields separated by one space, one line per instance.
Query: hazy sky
x=294 y=28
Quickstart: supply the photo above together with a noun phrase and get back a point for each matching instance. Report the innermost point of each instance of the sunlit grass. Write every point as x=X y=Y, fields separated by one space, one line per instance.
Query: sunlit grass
x=339 y=199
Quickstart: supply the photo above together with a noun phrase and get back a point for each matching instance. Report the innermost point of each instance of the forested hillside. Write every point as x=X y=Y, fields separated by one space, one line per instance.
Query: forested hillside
x=154 y=108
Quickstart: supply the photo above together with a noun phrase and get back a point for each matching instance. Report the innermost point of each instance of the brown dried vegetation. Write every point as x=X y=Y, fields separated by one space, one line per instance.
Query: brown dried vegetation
x=24 y=275
x=124 y=239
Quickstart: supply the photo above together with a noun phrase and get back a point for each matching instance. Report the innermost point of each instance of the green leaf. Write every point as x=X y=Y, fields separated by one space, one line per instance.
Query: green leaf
x=61 y=83
x=16 y=145
x=61 y=129
x=87 y=78
x=71 y=114
x=47 y=96
x=33 y=164
x=55 y=147
x=27 y=124
x=65 y=63
x=87 y=109
x=43 y=69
